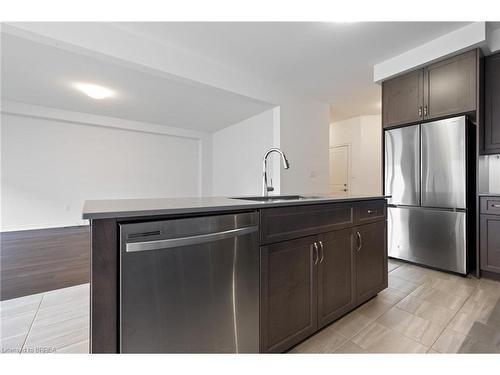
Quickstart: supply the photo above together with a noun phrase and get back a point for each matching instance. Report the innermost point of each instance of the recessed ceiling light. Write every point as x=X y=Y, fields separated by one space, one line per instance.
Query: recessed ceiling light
x=94 y=91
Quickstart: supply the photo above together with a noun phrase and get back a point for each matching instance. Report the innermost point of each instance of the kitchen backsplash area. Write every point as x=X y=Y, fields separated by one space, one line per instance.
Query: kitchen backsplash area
x=489 y=173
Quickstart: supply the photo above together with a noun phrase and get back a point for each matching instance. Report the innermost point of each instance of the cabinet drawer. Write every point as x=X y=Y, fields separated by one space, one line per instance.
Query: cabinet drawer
x=490 y=205
x=370 y=211
x=284 y=223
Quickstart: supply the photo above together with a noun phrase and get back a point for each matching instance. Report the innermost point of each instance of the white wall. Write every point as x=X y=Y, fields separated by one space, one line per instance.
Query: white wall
x=304 y=139
x=494 y=178
x=304 y=124
x=237 y=155
x=299 y=128
x=489 y=174
x=50 y=166
x=364 y=136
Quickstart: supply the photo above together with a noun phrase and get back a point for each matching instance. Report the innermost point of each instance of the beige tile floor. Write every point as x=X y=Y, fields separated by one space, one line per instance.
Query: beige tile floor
x=51 y=322
x=422 y=311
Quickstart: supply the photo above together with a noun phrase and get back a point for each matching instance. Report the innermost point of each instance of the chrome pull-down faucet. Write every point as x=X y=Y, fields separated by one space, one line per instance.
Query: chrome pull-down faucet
x=265 y=188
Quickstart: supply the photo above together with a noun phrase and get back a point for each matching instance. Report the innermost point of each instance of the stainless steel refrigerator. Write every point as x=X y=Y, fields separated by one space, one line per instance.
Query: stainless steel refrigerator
x=426 y=175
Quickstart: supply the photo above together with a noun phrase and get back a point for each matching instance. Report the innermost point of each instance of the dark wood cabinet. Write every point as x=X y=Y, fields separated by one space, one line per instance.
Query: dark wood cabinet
x=336 y=294
x=491 y=134
x=370 y=260
x=445 y=88
x=402 y=99
x=450 y=86
x=490 y=243
x=288 y=294
x=308 y=282
x=310 y=270
x=490 y=235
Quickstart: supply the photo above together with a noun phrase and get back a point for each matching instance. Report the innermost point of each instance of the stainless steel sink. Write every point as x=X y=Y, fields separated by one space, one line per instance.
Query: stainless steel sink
x=277 y=198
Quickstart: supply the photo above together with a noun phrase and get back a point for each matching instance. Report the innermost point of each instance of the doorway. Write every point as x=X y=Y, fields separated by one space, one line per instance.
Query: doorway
x=339 y=170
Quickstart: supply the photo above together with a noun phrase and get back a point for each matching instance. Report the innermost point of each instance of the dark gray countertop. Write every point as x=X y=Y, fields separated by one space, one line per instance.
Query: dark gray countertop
x=489 y=194
x=128 y=208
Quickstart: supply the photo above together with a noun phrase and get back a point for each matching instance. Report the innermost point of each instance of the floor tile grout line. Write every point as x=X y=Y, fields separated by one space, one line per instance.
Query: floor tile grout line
x=453 y=317
x=392 y=330
x=445 y=326
x=31 y=325
x=402 y=333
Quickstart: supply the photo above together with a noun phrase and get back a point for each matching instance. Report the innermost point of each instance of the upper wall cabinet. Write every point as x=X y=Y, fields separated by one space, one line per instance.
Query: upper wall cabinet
x=492 y=105
x=450 y=86
x=442 y=89
x=403 y=99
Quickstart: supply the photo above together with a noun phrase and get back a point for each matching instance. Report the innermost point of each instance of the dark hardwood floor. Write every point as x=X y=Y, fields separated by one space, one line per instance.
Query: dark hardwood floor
x=35 y=261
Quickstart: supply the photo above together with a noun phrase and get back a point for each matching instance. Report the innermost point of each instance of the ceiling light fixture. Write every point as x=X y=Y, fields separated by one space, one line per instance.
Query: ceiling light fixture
x=94 y=91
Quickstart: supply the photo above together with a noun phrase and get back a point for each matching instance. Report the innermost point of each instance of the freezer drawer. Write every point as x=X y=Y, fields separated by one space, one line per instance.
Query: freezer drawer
x=402 y=165
x=435 y=238
x=443 y=165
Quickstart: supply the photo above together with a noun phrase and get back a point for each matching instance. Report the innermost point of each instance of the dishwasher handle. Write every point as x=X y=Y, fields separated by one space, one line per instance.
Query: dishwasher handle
x=186 y=241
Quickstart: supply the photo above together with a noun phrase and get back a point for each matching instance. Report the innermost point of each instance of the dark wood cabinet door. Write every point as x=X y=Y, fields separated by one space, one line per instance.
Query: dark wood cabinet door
x=336 y=294
x=492 y=104
x=370 y=260
x=490 y=243
x=450 y=86
x=402 y=99
x=288 y=298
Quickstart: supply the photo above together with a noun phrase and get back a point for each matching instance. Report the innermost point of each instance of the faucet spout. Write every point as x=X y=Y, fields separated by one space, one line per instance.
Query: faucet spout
x=265 y=187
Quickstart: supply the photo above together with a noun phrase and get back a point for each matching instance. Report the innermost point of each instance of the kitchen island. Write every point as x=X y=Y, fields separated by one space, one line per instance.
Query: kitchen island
x=309 y=261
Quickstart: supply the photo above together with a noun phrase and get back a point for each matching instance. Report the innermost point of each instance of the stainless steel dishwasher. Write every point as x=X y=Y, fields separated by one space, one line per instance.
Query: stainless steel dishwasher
x=190 y=285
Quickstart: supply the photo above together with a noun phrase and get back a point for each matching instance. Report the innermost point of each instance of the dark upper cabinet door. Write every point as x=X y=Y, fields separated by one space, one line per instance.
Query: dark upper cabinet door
x=492 y=105
x=288 y=298
x=336 y=295
x=402 y=99
x=490 y=243
x=370 y=260
x=450 y=86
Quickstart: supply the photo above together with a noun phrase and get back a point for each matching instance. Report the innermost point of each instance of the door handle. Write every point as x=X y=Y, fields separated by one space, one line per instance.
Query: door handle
x=322 y=251
x=315 y=246
x=360 y=241
x=187 y=241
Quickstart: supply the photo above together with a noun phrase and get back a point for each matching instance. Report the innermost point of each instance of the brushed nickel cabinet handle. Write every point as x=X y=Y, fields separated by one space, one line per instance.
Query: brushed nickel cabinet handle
x=372 y=212
x=360 y=241
x=495 y=205
x=426 y=112
x=420 y=111
x=315 y=246
x=322 y=251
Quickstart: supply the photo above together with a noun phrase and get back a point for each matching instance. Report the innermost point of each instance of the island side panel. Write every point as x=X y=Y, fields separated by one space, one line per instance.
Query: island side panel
x=104 y=287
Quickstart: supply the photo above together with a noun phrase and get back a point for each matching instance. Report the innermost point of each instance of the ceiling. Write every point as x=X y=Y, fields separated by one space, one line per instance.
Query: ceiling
x=40 y=74
x=329 y=62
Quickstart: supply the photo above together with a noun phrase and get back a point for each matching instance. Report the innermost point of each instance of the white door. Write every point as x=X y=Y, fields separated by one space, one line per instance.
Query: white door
x=339 y=170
